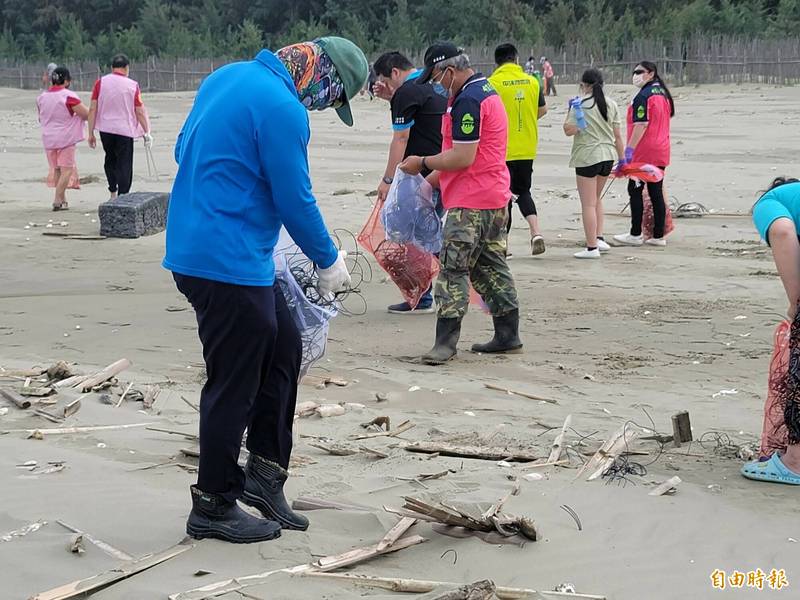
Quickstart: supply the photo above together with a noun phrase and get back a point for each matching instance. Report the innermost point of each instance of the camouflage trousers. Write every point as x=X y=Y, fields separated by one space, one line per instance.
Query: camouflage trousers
x=474 y=249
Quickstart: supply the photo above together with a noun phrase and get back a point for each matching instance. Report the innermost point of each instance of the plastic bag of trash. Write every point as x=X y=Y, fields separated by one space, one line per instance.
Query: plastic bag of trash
x=409 y=213
x=410 y=267
x=774 y=435
x=648 y=219
x=312 y=319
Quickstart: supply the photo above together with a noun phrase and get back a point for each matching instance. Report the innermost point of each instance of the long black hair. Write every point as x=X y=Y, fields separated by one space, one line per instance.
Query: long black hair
x=653 y=68
x=594 y=78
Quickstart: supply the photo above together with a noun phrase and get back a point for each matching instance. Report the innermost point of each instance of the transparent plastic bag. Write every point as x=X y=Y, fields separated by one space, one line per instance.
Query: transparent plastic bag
x=409 y=214
x=312 y=321
x=411 y=268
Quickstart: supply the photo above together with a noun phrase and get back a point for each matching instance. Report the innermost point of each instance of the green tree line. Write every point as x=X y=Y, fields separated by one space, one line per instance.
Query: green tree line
x=96 y=29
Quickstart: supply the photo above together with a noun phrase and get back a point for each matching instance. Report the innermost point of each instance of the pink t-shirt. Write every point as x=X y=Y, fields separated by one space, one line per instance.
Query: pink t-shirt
x=651 y=106
x=477 y=114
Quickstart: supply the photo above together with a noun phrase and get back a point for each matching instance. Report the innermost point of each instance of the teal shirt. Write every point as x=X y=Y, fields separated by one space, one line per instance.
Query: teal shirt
x=782 y=202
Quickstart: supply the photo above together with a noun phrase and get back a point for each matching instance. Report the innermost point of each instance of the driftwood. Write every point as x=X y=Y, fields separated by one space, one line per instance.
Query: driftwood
x=558 y=443
x=334 y=449
x=610 y=449
x=490 y=521
x=107 y=548
x=402 y=428
x=188 y=436
x=83 y=429
x=36 y=391
x=15 y=399
x=151 y=392
x=71 y=408
x=480 y=590
x=495 y=454
x=681 y=429
x=48 y=416
x=497 y=388
x=419 y=586
x=192 y=404
x=83 y=587
x=73 y=381
x=308 y=503
x=109 y=372
x=396 y=532
x=327 y=563
x=665 y=487
x=322 y=382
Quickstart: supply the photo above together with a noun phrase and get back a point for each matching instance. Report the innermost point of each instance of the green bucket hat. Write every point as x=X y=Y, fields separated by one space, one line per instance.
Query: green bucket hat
x=352 y=67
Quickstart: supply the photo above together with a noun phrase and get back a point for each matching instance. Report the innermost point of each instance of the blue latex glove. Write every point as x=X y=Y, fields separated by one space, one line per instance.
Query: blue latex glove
x=628 y=155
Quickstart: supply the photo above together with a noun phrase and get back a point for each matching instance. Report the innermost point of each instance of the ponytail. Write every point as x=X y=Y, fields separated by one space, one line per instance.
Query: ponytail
x=60 y=76
x=653 y=68
x=594 y=78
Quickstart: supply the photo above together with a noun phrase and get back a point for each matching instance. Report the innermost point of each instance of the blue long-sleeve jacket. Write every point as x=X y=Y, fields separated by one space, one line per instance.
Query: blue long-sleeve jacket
x=242 y=173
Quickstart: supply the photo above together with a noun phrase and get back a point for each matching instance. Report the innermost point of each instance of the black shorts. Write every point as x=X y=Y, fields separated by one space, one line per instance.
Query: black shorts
x=521 y=172
x=601 y=169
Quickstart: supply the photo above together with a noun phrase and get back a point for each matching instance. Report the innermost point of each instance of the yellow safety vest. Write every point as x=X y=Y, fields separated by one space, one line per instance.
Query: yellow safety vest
x=520 y=94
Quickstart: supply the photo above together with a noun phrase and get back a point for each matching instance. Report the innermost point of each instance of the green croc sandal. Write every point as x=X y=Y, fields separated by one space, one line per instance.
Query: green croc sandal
x=772 y=470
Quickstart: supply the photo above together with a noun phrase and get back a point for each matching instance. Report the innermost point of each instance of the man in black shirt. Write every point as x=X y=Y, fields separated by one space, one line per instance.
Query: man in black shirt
x=417 y=130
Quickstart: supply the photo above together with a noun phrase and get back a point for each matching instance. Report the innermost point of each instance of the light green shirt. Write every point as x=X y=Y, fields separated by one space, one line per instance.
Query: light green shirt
x=595 y=144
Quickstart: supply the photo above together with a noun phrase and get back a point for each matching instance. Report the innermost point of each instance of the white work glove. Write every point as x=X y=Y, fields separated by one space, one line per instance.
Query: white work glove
x=148 y=140
x=335 y=278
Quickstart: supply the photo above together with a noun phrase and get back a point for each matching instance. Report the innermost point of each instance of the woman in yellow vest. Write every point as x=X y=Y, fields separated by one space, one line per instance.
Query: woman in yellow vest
x=524 y=102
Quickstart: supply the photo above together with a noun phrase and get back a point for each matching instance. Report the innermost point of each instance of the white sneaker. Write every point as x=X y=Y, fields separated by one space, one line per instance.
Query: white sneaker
x=586 y=253
x=602 y=246
x=661 y=242
x=627 y=239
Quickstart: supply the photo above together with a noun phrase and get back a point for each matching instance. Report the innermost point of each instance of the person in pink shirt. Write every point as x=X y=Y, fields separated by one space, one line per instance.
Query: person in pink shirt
x=62 y=116
x=118 y=113
x=549 y=76
x=472 y=174
x=649 y=116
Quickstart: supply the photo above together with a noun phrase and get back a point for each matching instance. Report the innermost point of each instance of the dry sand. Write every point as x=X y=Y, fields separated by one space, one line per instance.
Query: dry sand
x=654 y=330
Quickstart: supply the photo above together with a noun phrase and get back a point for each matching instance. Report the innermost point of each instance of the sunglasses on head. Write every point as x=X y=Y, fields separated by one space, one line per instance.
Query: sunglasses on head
x=639 y=71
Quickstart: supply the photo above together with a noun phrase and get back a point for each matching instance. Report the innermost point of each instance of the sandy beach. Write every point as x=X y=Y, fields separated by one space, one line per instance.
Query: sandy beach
x=643 y=333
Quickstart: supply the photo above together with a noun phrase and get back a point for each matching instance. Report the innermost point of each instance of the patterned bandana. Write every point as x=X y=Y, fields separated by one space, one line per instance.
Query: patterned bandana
x=314 y=75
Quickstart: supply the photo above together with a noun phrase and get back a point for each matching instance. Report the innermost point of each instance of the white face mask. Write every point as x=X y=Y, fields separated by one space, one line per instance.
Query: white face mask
x=638 y=80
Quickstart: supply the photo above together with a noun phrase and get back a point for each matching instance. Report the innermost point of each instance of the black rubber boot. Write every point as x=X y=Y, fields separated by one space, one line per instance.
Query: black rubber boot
x=447 y=333
x=506 y=336
x=214 y=517
x=263 y=489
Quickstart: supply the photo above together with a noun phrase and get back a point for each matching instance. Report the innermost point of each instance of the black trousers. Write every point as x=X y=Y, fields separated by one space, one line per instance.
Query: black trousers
x=656 y=193
x=252 y=351
x=551 y=86
x=119 y=161
x=521 y=172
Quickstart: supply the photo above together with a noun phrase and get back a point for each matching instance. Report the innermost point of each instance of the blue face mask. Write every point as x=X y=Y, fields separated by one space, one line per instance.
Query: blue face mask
x=439 y=88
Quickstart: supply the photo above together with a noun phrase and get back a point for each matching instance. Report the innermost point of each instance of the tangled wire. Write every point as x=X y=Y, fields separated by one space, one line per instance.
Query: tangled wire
x=623 y=468
x=721 y=444
x=297 y=277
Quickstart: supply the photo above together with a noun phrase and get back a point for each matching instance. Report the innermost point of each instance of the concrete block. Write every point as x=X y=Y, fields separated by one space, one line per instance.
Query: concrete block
x=134 y=215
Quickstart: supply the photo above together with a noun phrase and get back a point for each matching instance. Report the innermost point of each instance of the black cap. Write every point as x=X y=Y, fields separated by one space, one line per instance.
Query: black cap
x=435 y=54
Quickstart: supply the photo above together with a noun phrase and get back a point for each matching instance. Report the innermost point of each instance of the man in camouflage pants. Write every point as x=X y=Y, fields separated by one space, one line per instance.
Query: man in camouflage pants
x=474 y=181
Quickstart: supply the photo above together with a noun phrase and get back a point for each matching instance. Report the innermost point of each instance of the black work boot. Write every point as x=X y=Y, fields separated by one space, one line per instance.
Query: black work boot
x=447 y=333
x=506 y=336
x=263 y=489
x=214 y=517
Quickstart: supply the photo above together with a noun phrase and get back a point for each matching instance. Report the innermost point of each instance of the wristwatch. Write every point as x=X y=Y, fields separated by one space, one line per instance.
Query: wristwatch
x=388 y=180
x=423 y=165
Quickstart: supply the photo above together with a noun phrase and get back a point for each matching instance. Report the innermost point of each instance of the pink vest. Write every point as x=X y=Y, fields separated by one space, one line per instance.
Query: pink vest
x=60 y=129
x=115 y=106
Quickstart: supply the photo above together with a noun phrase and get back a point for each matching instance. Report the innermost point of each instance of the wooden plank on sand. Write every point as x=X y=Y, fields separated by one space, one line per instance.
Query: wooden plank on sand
x=83 y=587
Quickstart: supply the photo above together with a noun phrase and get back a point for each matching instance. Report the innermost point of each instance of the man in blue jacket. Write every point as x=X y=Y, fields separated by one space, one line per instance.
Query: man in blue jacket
x=242 y=174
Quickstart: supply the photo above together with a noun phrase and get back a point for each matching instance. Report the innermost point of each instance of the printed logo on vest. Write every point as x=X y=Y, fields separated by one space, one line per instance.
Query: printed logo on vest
x=640 y=112
x=467 y=124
